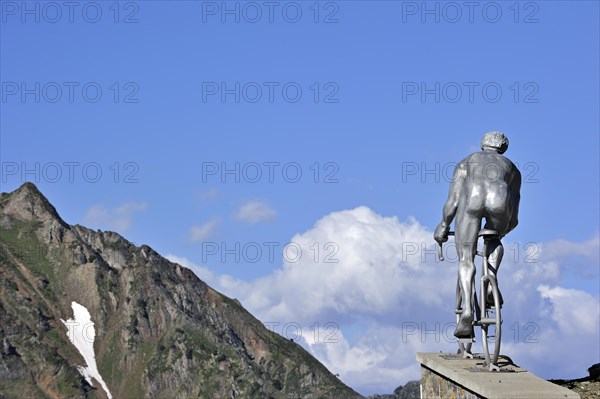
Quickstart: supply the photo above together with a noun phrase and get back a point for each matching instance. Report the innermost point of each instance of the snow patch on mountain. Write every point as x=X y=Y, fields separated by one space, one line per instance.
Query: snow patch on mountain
x=81 y=333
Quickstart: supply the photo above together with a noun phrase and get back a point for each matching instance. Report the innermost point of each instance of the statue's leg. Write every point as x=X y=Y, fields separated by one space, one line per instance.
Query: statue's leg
x=466 y=230
x=498 y=221
x=495 y=252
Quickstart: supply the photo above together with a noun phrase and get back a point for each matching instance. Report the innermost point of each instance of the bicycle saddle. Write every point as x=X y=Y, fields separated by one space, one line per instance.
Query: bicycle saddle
x=487 y=232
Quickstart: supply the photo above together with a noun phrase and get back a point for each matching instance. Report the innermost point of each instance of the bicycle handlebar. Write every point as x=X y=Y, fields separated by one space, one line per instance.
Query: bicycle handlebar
x=487 y=234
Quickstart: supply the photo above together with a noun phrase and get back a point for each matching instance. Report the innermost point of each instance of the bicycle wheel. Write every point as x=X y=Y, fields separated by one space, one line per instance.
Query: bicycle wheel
x=491 y=316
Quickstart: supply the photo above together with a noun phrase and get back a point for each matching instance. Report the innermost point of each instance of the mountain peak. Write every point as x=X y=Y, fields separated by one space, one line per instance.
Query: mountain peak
x=158 y=330
x=29 y=186
x=28 y=203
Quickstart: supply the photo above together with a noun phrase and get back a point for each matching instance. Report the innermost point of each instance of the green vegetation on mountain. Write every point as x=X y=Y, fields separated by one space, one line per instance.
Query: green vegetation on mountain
x=161 y=332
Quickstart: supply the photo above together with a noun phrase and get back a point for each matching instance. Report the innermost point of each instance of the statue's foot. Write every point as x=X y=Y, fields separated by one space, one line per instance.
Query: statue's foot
x=464 y=329
x=490 y=297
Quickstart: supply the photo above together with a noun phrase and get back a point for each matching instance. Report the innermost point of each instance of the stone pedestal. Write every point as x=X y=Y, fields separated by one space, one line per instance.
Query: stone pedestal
x=445 y=375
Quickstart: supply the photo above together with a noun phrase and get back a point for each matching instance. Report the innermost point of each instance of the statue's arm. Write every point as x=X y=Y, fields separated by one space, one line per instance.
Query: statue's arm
x=451 y=205
x=515 y=193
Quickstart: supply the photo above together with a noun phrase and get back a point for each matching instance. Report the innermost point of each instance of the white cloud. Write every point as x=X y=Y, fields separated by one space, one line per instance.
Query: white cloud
x=253 y=212
x=119 y=218
x=208 y=195
x=366 y=265
x=390 y=297
x=575 y=312
x=554 y=331
x=580 y=258
x=558 y=249
x=202 y=232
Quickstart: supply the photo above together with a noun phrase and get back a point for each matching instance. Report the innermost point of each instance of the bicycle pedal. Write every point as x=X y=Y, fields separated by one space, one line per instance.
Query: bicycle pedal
x=494 y=367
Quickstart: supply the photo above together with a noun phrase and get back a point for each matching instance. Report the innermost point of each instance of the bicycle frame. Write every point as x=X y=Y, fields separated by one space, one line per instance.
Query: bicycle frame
x=482 y=308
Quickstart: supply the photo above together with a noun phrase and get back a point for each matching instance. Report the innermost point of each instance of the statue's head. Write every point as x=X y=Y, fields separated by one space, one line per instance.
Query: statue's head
x=495 y=140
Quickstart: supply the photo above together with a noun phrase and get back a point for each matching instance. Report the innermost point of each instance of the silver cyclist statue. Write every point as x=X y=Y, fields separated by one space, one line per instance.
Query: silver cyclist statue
x=487 y=185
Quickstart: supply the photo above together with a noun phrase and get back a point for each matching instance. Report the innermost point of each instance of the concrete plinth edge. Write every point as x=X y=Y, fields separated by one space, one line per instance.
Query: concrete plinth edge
x=446 y=375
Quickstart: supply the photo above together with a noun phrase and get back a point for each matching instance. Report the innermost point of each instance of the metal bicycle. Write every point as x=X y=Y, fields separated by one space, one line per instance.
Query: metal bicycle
x=487 y=313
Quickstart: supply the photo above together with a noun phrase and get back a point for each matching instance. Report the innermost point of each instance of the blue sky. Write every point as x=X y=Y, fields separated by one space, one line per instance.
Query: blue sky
x=403 y=88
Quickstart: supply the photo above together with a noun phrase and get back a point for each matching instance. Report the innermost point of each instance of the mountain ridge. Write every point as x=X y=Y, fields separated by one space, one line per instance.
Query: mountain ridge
x=160 y=330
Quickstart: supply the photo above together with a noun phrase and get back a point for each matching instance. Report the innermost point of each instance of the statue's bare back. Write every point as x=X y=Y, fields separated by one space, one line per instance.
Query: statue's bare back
x=489 y=190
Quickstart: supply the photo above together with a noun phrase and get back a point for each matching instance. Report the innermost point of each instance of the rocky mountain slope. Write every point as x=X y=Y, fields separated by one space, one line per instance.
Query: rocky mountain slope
x=160 y=332
x=411 y=390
